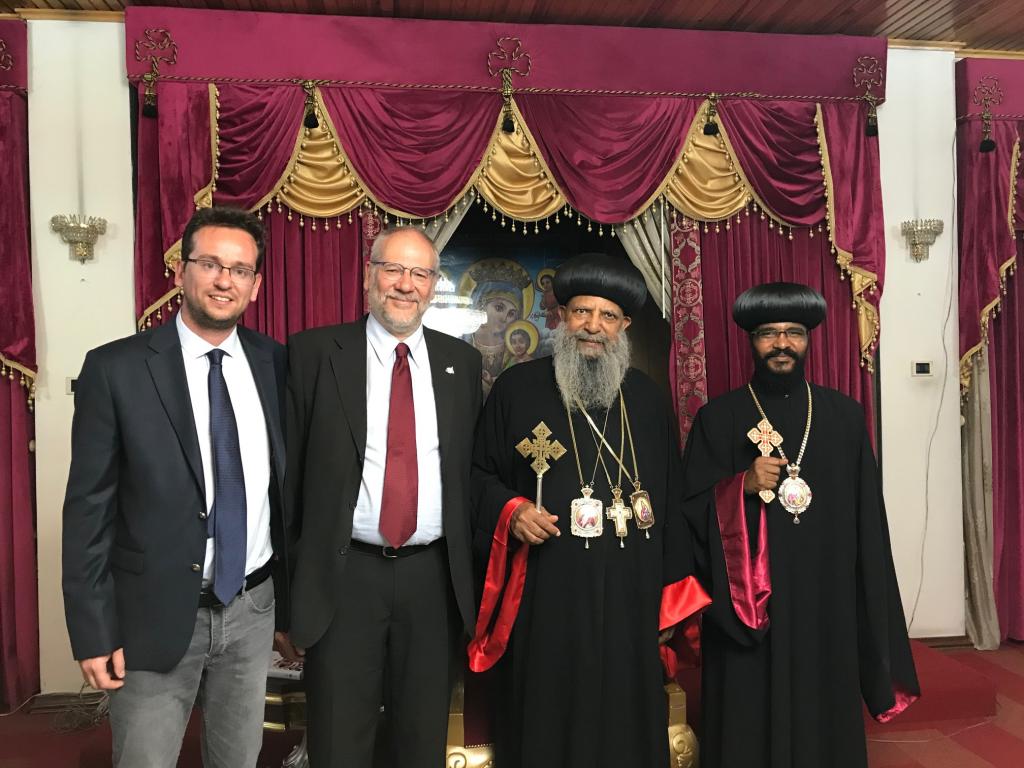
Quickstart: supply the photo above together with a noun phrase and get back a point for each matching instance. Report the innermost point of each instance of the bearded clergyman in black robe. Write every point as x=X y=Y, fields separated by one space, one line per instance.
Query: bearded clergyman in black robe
x=605 y=563
x=785 y=502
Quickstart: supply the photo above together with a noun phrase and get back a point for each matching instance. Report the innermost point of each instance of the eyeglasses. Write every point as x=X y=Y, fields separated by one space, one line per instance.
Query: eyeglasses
x=211 y=268
x=394 y=272
x=771 y=334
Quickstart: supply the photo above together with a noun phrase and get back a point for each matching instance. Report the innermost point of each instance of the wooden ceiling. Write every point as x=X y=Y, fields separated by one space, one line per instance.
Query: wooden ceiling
x=992 y=25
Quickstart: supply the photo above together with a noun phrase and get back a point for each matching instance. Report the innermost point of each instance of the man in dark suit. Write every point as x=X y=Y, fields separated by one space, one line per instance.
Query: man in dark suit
x=172 y=516
x=380 y=422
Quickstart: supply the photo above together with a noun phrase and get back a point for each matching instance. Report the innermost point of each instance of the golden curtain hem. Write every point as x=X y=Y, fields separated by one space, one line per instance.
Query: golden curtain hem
x=204 y=197
x=157 y=306
x=1005 y=269
x=861 y=280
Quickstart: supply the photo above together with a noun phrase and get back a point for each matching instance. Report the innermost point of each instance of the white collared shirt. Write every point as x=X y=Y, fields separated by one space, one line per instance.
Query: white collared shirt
x=380 y=362
x=253 y=437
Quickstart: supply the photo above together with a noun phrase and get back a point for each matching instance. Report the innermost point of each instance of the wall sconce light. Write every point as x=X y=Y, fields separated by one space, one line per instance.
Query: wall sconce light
x=80 y=233
x=921 y=234
x=451 y=313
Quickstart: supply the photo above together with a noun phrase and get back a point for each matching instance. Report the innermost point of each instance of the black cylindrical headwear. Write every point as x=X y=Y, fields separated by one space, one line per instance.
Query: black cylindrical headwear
x=779 y=303
x=598 y=274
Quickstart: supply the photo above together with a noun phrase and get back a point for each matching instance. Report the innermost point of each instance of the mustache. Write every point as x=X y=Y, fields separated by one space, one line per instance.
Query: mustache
x=584 y=336
x=780 y=353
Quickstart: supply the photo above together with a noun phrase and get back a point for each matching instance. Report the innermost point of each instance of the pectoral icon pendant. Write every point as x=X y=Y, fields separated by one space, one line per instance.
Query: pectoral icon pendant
x=585 y=516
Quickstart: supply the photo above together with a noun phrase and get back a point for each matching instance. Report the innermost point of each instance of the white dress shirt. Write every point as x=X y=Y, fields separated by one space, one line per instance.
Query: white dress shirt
x=253 y=438
x=380 y=362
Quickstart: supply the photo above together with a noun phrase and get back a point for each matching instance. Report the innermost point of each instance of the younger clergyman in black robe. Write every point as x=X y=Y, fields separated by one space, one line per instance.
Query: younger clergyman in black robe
x=806 y=621
x=582 y=682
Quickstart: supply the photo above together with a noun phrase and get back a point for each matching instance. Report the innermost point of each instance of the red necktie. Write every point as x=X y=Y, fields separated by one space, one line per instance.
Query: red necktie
x=401 y=477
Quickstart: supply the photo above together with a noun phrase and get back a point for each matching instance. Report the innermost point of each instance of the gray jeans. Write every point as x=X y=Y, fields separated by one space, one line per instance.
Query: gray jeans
x=224 y=670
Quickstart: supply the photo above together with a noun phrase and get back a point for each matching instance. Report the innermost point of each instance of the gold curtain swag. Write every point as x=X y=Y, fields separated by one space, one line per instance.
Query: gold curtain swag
x=1006 y=270
x=512 y=180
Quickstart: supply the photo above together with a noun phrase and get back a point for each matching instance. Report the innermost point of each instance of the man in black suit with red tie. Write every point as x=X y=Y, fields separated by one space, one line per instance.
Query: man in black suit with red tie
x=172 y=521
x=381 y=414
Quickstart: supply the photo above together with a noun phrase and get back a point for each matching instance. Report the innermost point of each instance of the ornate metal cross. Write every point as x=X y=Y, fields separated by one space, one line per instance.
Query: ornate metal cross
x=619 y=513
x=540 y=450
x=765 y=437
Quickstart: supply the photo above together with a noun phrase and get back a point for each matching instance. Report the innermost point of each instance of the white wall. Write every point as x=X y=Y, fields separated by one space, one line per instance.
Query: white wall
x=919 y=323
x=79 y=162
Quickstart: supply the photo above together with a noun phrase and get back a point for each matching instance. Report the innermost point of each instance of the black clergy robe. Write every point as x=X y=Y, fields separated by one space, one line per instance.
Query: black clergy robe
x=581 y=683
x=782 y=686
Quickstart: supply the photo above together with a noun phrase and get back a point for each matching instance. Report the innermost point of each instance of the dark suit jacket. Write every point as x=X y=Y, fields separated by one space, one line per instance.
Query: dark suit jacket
x=134 y=541
x=326 y=445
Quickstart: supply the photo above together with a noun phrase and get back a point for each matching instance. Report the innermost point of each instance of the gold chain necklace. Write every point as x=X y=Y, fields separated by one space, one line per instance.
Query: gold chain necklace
x=640 y=500
x=618 y=512
x=794 y=493
x=586 y=518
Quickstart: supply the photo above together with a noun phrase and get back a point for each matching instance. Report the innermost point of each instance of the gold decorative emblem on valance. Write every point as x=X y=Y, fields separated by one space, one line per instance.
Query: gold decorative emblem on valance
x=6 y=59
x=156 y=46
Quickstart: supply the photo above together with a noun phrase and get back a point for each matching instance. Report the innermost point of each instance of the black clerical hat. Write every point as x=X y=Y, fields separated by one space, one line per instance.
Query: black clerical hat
x=598 y=274
x=779 y=303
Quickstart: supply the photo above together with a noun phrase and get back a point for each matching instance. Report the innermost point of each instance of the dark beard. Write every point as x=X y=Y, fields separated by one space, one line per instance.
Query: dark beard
x=778 y=383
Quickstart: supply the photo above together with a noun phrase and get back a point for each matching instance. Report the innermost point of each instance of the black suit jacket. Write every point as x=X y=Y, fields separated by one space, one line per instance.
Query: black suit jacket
x=326 y=446
x=134 y=541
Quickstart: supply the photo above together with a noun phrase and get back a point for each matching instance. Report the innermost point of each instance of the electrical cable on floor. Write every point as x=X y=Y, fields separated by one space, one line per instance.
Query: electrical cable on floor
x=940 y=737
x=83 y=713
x=20 y=706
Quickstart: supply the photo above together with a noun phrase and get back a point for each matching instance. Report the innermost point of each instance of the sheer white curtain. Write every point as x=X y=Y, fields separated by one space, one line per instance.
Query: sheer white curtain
x=647 y=241
x=976 y=458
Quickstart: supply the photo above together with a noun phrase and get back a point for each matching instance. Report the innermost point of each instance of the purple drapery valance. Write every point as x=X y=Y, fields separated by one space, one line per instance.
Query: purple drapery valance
x=417 y=150
x=256 y=135
x=777 y=148
x=609 y=154
x=13 y=54
x=415 y=127
x=224 y=45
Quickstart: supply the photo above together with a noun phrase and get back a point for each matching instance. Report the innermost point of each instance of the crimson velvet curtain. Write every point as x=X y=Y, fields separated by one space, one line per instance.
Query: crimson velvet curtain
x=414 y=134
x=778 y=150
x=19 y=628
x=991 y=220
x=312 y=274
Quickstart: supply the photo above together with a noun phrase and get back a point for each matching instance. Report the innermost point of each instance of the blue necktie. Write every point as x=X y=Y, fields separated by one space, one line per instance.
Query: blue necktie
x=228 y=516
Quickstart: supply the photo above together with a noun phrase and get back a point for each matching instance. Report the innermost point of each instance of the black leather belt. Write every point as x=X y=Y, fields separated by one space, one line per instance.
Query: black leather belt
x=390 y=552
x=207 y=599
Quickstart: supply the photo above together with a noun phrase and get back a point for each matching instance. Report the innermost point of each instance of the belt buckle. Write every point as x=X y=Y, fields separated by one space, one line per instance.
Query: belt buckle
x=389 y=552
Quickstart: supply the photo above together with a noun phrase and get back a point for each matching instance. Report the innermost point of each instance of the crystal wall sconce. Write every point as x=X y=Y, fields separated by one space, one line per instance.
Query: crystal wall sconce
x=921 y=234
x=80 y=233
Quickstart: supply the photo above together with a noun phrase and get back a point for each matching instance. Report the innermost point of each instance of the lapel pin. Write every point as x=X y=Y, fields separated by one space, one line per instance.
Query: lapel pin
x=450 y=369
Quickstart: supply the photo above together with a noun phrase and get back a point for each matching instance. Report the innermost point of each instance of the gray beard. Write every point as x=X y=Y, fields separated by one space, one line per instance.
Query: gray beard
x=593 y=381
